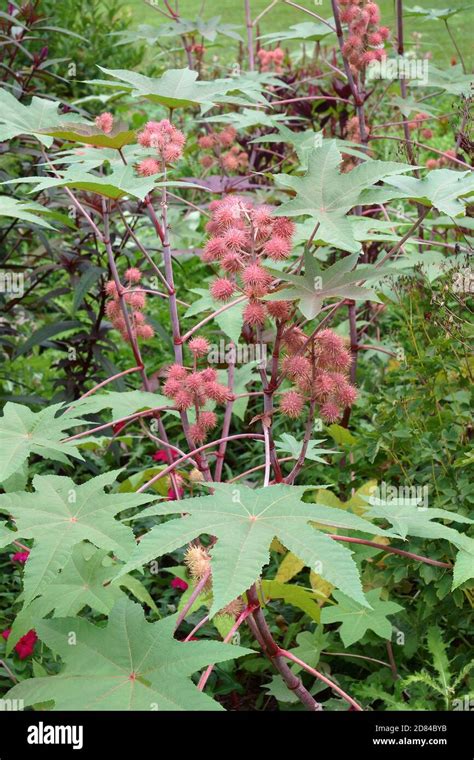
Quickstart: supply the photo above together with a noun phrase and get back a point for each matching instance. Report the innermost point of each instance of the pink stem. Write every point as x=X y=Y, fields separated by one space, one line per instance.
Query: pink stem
x=391 y=550
x=321 y=677
x=243 y=616
x=196 y=591
x=105 y=382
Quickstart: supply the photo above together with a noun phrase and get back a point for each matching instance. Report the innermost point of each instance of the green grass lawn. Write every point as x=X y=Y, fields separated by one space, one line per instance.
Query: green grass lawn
x=435 y=37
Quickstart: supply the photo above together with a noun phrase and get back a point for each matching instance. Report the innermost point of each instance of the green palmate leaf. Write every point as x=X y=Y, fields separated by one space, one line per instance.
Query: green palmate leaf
x=316 y=285
x=176 y=88
x=433 y=14
x=357 y=620
x=6 y=536
x=23 y=432
x=441 y=188
x=463 y=568
x=451 y=79
x=310 y=646
x=19 y=119
x=120 y=404
x=27 y=211
x=209 y=29
x=59 y=515
x=326 y=195
x=288 y=444
x=129 y=665
x=246 y=521
x=123 y=180
x=307 y=30
x=408 y=518
x=89 y=134
x=84 y=581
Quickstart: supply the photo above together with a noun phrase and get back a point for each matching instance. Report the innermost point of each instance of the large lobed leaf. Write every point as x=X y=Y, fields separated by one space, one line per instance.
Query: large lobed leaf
x=245 y=522
x=60 y=514
x=129 y=665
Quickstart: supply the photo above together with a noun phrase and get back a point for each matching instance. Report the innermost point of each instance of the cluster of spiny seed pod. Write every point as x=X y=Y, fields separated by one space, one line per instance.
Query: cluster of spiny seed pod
x=271 y=60
x=243 y=236
x=193 y=388
x=224 y=151
x=198 y=561
x=136 y=299
x=168 y=142
x=319 y=371
x=365 y=41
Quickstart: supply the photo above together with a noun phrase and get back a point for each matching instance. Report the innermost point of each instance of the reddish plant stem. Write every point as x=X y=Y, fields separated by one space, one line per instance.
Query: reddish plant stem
x=194 y=595
x=227 y=422
x=355 y=705
x=197 y=627
x=134 y=416
x=249 y=26
x=391 y=550
x=260 y=630
x=105 y=382
x=423 y=145
x=205 y=446
x=242 y=617
x=204 y=321
x=358 y=99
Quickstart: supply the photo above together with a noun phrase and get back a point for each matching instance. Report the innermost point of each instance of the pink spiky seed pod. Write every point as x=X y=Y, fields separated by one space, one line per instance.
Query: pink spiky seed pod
x=369 y=56
x=133 y=275
x=349 y=14
x=206 y=142
x=172 y=387
x=112 y=309
x=381 y=54
x=324 y=384
x=234 y=238
x=294 y=339
x=217 y=392
x=222 y=289
x=172 y=152
x=231 y=263
x=375 y=39
x=277 y=248
x=214 y=249
x=136 y=299
x=208 y=420
x=431 y=163
x=199 y=346
x=330 y=412
x=194 y=383
x=291 y=404
x=230 y=162
x=145 y=331
x=105 y=122
x=207 y=161
x=111 y=289
x=330 y=341
x=254 y=274
x=198 y=433
x=254 y=314
x=148 y=167
x=283 y=227
x=373 y=11
x=384 y=32
x=183 y=400
x=279 y=310
x=345 y=394
x=209 y=375
x=427 y=134
x=261 y=216
x=227 y=136
x=353 y=44
x=138 y=318
x=296 y=366
x=176 y=372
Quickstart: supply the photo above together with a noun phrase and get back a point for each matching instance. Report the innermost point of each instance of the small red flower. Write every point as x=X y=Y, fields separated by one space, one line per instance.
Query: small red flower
x=25 y=646
x=118 y=427
x=179 y=584
x=160 y=455
x=20 y=557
